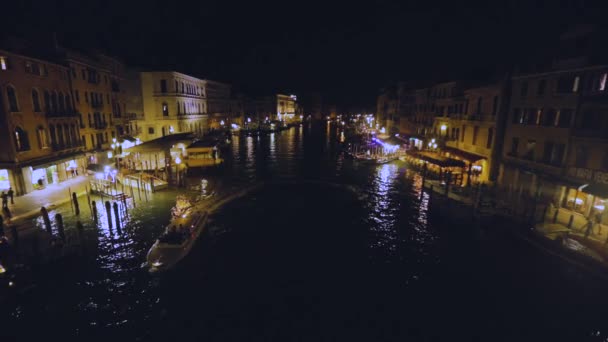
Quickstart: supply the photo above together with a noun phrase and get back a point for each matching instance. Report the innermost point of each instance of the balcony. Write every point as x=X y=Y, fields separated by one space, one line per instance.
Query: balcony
x=591 y=133
x=180 y=94
x=134 y=116
x=66 y=146
x=97 y=104
x=68 y=113
x=99 y=125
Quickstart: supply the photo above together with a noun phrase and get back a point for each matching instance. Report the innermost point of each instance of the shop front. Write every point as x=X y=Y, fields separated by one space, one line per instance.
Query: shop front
x=4 y=180
x=586 y=197
x=476 y=165
x=39 y=176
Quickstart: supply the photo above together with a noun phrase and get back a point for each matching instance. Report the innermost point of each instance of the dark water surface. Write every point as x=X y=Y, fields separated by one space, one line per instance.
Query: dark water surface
x=327 y=250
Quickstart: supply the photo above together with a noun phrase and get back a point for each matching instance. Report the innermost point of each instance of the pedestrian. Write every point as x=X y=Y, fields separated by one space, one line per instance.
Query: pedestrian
x=589 y=227
x=6 y=213
x=4 y=200
x=598 y=221
x=11 y=193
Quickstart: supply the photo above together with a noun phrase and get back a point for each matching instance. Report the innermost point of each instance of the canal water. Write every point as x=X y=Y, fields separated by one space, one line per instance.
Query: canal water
x=326 y=249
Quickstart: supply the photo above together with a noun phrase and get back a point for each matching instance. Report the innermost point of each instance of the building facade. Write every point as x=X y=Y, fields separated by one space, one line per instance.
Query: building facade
x=471 y=127
x=40 y=127
x=172 y=103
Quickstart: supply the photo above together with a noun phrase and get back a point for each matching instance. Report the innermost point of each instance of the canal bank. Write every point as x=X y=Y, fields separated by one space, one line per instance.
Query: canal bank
x=335 y=250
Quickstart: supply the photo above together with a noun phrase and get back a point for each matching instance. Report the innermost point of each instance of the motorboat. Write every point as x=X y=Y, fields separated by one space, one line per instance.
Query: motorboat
x=177 y=240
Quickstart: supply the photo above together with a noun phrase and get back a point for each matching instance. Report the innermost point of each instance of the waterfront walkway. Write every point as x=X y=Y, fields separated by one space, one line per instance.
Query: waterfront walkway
x=52 y=195
x=562 y=233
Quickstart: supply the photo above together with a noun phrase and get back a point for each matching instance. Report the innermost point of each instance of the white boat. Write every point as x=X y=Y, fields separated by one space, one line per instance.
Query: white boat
x=177 y=241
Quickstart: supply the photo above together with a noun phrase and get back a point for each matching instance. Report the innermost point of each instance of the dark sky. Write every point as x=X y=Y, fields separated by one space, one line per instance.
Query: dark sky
x=345 y=50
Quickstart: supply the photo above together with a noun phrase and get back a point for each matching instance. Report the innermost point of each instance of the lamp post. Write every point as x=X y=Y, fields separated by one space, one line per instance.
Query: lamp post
x=178 y=162
x=116 y=149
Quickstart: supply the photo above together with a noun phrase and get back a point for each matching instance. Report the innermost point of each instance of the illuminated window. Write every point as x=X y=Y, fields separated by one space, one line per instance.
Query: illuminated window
x=42 y=138
x=165 y=109
x=21 y=141
x=3 y=63
x=576 y=200
x=603 y=82
x=577 y=80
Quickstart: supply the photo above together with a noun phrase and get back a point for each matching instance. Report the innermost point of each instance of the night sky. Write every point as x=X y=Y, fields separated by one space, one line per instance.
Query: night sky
x=345 y=50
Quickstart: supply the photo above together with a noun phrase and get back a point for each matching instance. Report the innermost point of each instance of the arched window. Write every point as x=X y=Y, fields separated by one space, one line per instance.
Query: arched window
x=54 y=102
x=73 y=135
x=66 y=133
x=165 y=109
x=61 y=103
x=53 y=137
x=182 y=87
x=42 y=138
x=479 y=105
x=22 y=143
x=12 y=99
x=36 y=100
x=179 y=109
x=176 y=86
x=184 y=106
x=68 y=103
x=60 y=137
x=47 y=101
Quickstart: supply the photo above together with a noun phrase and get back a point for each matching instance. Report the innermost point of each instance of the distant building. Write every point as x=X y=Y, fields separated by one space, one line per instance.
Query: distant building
x=40 y=129
x=219 y=101
x=276 y=107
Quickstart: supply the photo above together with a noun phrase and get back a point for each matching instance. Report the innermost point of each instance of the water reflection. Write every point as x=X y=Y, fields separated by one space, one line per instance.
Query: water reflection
x=384 y=208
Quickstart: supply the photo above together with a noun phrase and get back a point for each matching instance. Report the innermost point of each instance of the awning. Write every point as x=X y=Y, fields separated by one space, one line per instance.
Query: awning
x=437 y=160
x=49 y=161
x=468 y=156
x=596 y=189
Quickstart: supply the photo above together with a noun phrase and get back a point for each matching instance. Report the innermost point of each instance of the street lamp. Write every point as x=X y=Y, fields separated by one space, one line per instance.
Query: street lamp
x=178 y=162
x=115 y=152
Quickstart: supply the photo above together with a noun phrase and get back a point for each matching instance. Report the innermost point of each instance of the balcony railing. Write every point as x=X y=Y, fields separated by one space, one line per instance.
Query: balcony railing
x=97 y=104
x=598 y=133
x=66 y=146
x=60 y=114
x=173 y=93
x=99 y=125
x=134 y=116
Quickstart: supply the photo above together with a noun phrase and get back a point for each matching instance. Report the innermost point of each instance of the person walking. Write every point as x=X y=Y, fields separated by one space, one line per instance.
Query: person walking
x=589 y=229
x=4 y=200
x=11 y=193
x=6 y=213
